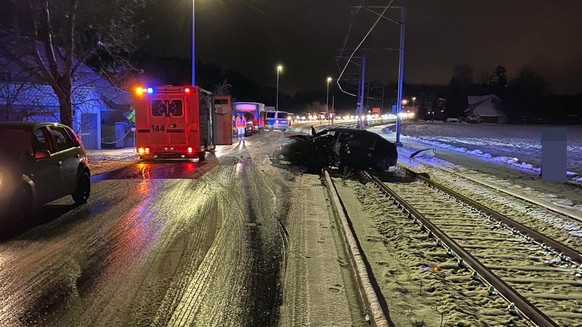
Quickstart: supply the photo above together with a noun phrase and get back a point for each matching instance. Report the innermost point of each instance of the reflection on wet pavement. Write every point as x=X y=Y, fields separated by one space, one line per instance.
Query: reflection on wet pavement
x=155 y=170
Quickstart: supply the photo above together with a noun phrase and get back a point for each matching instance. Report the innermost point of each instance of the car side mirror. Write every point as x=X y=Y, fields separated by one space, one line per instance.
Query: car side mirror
x=41 y=154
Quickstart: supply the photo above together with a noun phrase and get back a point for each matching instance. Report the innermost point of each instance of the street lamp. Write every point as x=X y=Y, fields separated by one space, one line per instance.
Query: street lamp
x=413 y=98
x=329 y=79
x=279 y=69
x=193 y=42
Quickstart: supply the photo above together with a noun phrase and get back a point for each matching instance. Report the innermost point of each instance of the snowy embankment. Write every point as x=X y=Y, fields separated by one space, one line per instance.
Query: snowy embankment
x=518 y=146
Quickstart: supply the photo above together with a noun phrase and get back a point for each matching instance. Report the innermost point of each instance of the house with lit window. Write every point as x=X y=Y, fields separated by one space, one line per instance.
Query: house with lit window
x=99 y=108
x=485 y=109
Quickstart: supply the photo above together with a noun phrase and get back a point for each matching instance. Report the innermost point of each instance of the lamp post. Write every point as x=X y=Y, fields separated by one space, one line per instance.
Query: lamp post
x=413 y=99
x=279 y=69
x=329 y=79
x=193 y=42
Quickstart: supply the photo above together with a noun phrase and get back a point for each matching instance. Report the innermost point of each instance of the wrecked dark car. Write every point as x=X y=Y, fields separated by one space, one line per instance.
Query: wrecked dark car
x=343 y=148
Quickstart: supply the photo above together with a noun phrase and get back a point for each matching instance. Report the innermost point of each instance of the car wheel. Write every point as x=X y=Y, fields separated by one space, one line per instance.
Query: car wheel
x=21 y=205
x=81 y=194
x=202 y=156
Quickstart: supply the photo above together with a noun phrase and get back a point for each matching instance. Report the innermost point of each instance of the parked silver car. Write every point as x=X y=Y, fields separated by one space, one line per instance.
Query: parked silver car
x=39 y=163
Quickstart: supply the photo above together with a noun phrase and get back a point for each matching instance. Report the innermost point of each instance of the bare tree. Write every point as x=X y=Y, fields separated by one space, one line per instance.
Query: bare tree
x=54 y=38
x=222 y=89
x=11 y=95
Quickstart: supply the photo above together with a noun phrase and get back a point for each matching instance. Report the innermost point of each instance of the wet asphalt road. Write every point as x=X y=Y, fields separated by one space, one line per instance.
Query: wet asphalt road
x=158 y=244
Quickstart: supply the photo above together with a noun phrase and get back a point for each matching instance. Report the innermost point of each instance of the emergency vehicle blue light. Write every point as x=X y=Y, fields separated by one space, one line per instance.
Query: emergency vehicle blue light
x=150 y=90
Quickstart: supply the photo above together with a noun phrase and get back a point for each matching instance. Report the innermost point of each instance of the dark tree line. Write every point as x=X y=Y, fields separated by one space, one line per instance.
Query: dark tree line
x=527 y=97
x=176 y=71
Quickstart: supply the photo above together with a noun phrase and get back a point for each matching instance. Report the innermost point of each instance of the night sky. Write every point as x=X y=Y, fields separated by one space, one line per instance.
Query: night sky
x=253 y=36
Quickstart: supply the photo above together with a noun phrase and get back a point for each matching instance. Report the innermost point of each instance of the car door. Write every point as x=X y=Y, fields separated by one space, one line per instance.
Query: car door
x=44 y=172
x=67 y=157
x=361 y=148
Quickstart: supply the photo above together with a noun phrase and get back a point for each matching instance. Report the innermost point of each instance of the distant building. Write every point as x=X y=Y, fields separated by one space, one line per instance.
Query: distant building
x=99 y=108
x=485 y=109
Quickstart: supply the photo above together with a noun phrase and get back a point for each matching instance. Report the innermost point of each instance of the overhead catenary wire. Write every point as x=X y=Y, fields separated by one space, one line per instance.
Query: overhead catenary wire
x=359 y=45
x=349 y=30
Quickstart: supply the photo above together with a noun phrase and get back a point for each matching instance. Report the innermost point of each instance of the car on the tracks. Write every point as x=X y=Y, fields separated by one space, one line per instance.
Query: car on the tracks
x=343 y=148
x=39 y=163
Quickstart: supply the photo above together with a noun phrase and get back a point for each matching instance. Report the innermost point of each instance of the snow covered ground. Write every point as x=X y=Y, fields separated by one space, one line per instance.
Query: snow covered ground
x=104 y=160
x=514 y=145
x=505 y=157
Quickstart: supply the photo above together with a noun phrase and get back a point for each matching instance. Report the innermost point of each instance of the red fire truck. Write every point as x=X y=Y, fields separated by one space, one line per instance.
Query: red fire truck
x=173 y=122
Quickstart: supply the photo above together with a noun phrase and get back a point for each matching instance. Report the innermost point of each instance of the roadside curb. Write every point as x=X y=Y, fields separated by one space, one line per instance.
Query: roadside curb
x=367 y=292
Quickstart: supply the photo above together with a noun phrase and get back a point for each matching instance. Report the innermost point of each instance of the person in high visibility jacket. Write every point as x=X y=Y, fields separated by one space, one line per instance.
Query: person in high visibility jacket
x=241 y=124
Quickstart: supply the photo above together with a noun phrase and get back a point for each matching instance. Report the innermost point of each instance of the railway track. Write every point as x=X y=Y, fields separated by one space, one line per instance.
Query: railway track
x=562 y=223
x=536 y=275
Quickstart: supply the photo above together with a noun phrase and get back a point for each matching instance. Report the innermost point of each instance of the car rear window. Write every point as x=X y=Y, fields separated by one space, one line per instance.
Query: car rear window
x=249 y=117
x=271 y=114
x=282 y=115
x=62 y=138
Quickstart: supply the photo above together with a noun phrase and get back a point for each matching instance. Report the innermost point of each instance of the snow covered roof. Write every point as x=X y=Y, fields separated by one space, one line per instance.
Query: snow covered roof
x=484 y=106
x=20 y=70
x=475 y=99
x=29 y=95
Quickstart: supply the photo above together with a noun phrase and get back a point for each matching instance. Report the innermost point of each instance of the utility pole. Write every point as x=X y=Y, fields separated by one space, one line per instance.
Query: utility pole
x=332 y=108
x=382 y=108
x=400 y=75
x=360 y=108
x=279 y=69
x=327 y=111
x=402 y=24
x=193 y=42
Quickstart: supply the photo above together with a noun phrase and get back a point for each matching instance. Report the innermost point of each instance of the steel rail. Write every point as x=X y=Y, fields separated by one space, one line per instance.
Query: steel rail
x=527 y=309
x=559 y=247
x=516 y=195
